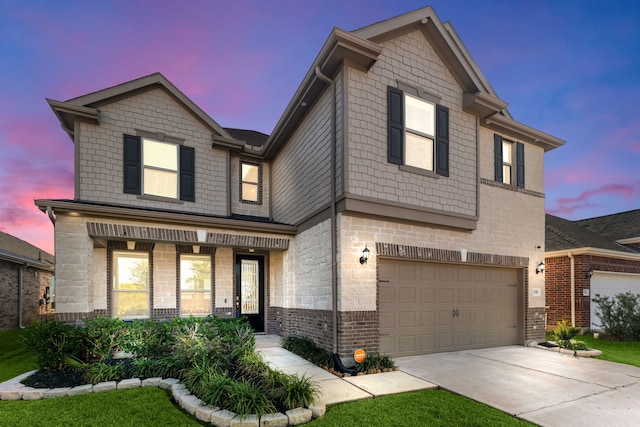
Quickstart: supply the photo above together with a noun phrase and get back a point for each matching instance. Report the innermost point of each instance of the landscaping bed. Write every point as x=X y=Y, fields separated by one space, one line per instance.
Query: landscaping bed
x=213 y=358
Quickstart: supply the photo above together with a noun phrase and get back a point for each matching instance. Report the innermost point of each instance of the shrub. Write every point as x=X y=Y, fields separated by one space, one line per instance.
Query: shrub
x=146 y=338
x=620 y=316
x=103 y=336
x=563 y=334
x=101 y=372
x=52 y=342
x=217 y=390
x=304 y=347
x=197 y=378
x=298 y=391
x=246 y=399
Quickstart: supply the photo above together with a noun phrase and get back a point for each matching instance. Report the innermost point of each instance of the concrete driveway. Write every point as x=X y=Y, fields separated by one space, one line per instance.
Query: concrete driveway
x=544 y=387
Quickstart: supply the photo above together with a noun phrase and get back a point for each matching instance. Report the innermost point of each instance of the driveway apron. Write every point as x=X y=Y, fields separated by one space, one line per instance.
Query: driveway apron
x=544 y=387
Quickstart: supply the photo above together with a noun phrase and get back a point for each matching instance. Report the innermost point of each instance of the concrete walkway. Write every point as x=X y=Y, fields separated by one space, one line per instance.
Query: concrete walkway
x=334 y=389
x=544 y=387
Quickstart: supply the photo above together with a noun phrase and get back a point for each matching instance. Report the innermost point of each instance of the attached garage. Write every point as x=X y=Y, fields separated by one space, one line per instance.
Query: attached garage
x=610 y=284
x=428 y=307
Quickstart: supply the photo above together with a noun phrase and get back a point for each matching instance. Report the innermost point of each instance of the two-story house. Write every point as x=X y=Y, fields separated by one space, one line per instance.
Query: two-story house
x=396 y=206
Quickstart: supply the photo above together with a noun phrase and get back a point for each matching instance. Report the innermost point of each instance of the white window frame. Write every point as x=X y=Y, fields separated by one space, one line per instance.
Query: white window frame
x=115 y=283
x=425 y=133
x=508 y=161
x=208 y=286
x=171 y=166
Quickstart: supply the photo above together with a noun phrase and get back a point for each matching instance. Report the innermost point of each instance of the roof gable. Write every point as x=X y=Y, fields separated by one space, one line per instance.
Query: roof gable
x=86 y=107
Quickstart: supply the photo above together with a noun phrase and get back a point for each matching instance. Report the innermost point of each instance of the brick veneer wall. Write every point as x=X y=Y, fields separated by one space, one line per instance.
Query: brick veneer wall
x=558 y=285
x=34 y=282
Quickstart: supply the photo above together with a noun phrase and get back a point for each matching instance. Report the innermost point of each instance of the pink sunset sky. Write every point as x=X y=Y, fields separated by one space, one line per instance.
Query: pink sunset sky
x=570 y=68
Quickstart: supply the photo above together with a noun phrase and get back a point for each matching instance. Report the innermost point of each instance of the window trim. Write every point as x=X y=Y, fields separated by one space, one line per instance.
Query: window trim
x=134 y=167
x=396 y=128
x=257 y=184
x=114 y=266
x=180 y=290
x=517 y=161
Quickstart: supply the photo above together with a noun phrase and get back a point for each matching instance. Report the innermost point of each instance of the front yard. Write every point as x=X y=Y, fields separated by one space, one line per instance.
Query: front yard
x=152 y=406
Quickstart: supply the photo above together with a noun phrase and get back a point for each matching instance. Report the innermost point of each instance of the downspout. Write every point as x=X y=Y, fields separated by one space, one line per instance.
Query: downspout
x=20 y=325
x=573 y=289
x=334 y=231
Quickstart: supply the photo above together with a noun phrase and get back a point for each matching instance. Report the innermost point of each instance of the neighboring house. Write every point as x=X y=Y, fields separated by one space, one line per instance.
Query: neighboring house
x=586 y=258
x=394 y=142
x=26 y=283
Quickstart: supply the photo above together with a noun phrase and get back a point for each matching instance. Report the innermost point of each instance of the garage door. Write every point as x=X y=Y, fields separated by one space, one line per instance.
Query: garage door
x=428 y=308
x=610 y=284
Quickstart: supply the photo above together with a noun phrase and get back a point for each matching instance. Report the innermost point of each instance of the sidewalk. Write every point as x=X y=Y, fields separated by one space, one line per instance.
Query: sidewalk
x=334 y=389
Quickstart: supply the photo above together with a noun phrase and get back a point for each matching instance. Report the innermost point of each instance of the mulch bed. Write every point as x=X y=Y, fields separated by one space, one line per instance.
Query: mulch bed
x=67 y=377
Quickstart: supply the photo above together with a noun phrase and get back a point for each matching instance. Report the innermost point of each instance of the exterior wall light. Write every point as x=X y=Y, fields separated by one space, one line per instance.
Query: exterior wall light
x=365 y=255
x=540 y=268
x=589 y=274
x=131 y=245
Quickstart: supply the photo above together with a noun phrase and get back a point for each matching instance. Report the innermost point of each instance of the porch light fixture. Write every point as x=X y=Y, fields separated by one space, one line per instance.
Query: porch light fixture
x=131 y=245
x=196 y=249
x=540 y=268
x=365 y=255
x=589 y=274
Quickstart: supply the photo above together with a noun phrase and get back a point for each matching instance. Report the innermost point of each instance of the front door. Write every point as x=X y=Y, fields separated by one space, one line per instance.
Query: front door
x=250 y=290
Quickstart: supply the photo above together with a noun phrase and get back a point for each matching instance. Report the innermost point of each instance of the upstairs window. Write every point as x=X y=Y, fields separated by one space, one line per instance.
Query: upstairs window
x=508 y=161
x=418 y=131
x=160 y=168
x=250 y=183
x=157 y=168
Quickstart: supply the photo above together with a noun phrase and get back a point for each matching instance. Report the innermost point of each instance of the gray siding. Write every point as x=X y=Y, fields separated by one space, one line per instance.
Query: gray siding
x=100 y=158
x=409 y=59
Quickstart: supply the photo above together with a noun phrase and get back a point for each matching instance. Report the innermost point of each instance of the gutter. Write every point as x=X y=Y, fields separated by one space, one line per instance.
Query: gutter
x=334 y=228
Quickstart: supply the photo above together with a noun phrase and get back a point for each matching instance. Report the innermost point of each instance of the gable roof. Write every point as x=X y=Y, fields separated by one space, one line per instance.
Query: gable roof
x=362 y=47
x=86 y=107
x=624 y=226
x=18 y=251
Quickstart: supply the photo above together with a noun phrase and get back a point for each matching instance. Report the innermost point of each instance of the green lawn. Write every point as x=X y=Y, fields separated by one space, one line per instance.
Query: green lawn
x=614 y=351
x=145 y=406
x=422 y=408
x=15 y=358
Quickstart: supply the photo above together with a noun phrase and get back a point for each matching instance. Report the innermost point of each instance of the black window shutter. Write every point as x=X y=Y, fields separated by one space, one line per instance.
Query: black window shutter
x=520 y=164
x=187 y=174
x=497 y=155
x=132 y=164
x=442 y=140
x=395 y=115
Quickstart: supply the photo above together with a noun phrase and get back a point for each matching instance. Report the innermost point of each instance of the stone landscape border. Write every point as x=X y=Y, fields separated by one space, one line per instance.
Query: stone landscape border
x=190 y=403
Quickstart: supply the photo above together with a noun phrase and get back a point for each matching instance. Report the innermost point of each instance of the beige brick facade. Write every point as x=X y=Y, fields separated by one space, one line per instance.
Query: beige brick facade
x=385 y=207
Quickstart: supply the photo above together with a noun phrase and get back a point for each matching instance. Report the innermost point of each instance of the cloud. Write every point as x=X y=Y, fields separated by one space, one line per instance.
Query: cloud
x=596 y=198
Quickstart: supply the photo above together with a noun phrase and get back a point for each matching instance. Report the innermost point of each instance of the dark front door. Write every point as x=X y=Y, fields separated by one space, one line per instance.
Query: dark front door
x=250 y=290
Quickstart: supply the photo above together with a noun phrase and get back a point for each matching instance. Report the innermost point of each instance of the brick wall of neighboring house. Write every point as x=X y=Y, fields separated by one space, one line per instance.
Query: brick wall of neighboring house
x=558 y=285
x=34 y=283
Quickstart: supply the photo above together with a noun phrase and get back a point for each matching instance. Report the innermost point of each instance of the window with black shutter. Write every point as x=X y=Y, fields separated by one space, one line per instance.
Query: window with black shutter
x=418 y=132
x=158 y=168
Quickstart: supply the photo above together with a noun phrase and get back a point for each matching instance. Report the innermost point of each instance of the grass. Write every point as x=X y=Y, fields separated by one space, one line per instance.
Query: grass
x=422 y=408
x=15 y=358
x=145 y=406
x=614 y=351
